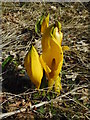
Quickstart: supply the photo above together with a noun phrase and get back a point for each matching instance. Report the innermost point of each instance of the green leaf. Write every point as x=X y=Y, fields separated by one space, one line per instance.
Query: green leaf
x=43 y=93
x=41 y=110
x=38 y=24
x=48 y=96
x=6 y=61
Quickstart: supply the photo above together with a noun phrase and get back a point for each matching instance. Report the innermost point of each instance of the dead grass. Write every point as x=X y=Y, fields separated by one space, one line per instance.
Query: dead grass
x=18 y=34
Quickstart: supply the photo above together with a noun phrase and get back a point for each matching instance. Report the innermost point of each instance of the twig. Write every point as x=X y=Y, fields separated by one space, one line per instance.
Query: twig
x=77 y=102
x=5 y=115
x=83 y=86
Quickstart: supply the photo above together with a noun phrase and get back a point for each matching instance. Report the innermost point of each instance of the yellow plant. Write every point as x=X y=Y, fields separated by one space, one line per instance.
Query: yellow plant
x=58 y=85
x=45 y=24
x=52 y=54
x=56 y=32
x=51 y=32
x=33 y=66
x=51 y=59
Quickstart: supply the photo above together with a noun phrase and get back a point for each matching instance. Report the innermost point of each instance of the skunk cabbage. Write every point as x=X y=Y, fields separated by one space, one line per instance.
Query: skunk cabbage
x=33 y=66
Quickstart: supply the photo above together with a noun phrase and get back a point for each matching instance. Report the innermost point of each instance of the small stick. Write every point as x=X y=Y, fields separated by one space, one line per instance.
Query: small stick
x=5 y=115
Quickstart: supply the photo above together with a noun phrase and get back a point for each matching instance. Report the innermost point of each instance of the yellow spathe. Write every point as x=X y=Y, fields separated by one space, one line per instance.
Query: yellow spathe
x=58 y=35
x=51 y=33
x=52 y=60
x=52 y=55
x=45 y=24
x=33 y=66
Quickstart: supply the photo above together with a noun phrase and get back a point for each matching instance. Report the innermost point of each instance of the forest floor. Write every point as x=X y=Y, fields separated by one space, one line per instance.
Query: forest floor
x=18 y=98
